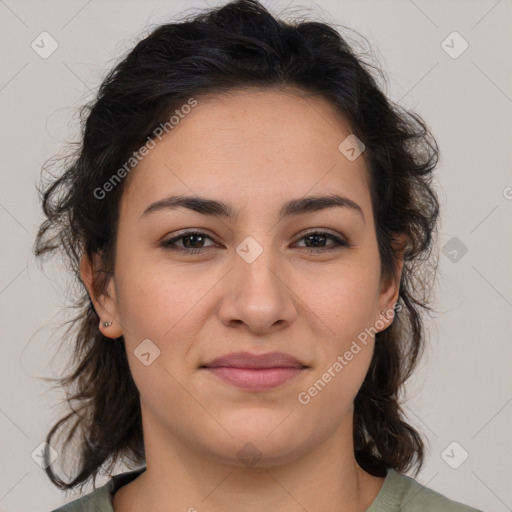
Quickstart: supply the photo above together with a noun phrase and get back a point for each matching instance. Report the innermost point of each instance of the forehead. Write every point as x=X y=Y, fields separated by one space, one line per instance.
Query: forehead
x=251 y=145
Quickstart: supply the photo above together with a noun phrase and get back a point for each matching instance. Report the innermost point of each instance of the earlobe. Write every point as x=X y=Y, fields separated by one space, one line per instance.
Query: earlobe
x=105 y=305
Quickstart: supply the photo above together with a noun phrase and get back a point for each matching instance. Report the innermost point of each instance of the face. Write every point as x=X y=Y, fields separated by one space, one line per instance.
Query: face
x=303 y=282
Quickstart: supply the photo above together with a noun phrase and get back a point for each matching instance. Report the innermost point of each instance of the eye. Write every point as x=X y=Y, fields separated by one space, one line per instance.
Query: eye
x=190 y=240
x=317 y=237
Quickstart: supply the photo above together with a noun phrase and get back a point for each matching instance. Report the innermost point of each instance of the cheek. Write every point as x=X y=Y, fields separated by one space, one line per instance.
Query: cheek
x=346 y=308
x=157 y=313
x=344 y=300
x=329 y=395
x=155 y=294
x=343 y=296
x=167 y=304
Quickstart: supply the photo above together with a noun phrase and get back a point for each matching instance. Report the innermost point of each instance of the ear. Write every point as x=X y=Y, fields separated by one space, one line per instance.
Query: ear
x=106 y=304
x=390 y=286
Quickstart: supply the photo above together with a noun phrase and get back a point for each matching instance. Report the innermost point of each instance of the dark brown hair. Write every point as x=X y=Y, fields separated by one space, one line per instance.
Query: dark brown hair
x=239 y=45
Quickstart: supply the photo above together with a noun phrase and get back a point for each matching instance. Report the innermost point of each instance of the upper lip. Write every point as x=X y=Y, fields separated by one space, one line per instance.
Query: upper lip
x=248 y=360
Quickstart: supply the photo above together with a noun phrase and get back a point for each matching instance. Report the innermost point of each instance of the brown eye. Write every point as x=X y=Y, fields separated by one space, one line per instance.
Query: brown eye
x=191 y=241
x=317 y=238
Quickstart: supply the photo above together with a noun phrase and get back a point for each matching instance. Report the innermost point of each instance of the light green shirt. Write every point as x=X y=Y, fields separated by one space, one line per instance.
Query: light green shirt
x=399 y=493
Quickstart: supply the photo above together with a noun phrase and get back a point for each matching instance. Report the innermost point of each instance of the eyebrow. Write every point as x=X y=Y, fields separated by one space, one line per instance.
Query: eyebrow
x=215 y=208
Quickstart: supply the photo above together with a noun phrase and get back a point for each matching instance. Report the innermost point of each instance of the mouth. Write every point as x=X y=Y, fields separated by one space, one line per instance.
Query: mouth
x=255 y=372
x=255 y=379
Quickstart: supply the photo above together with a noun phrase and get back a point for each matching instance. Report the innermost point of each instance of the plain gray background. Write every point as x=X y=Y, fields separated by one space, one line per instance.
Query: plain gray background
x=463 y=390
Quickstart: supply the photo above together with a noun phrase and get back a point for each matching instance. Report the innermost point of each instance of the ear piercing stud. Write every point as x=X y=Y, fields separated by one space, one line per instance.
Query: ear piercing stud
x=107 y=324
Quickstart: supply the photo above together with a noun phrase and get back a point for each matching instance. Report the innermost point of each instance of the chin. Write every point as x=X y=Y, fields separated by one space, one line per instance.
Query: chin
x=258 y=439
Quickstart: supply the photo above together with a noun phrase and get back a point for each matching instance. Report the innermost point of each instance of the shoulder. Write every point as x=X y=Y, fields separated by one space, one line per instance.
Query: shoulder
x=96 y=501
x=402 y=493
x=100 y=500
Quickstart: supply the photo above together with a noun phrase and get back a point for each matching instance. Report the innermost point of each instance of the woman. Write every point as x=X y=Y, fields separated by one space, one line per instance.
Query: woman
x=248 y=216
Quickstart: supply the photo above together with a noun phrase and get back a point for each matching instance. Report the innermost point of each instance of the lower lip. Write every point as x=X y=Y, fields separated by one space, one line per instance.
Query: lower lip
x=255 y=379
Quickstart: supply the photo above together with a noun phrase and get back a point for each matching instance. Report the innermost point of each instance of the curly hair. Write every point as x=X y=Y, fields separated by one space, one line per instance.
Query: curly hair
x=235 y=46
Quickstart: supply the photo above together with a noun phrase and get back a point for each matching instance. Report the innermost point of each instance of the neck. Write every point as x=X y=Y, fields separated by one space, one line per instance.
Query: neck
x=180 y=477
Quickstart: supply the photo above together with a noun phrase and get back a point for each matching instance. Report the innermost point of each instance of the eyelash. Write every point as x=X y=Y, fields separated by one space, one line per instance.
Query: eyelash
x=339 y=242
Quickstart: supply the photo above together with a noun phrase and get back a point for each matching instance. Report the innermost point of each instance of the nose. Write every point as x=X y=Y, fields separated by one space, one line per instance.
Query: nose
x=259 y=295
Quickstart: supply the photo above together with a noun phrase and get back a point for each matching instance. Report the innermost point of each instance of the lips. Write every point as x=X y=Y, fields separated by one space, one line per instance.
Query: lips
x=255 y=372
x=248 y=360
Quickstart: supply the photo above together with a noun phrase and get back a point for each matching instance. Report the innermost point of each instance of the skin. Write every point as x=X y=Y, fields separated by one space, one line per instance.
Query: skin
x=253 y=149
